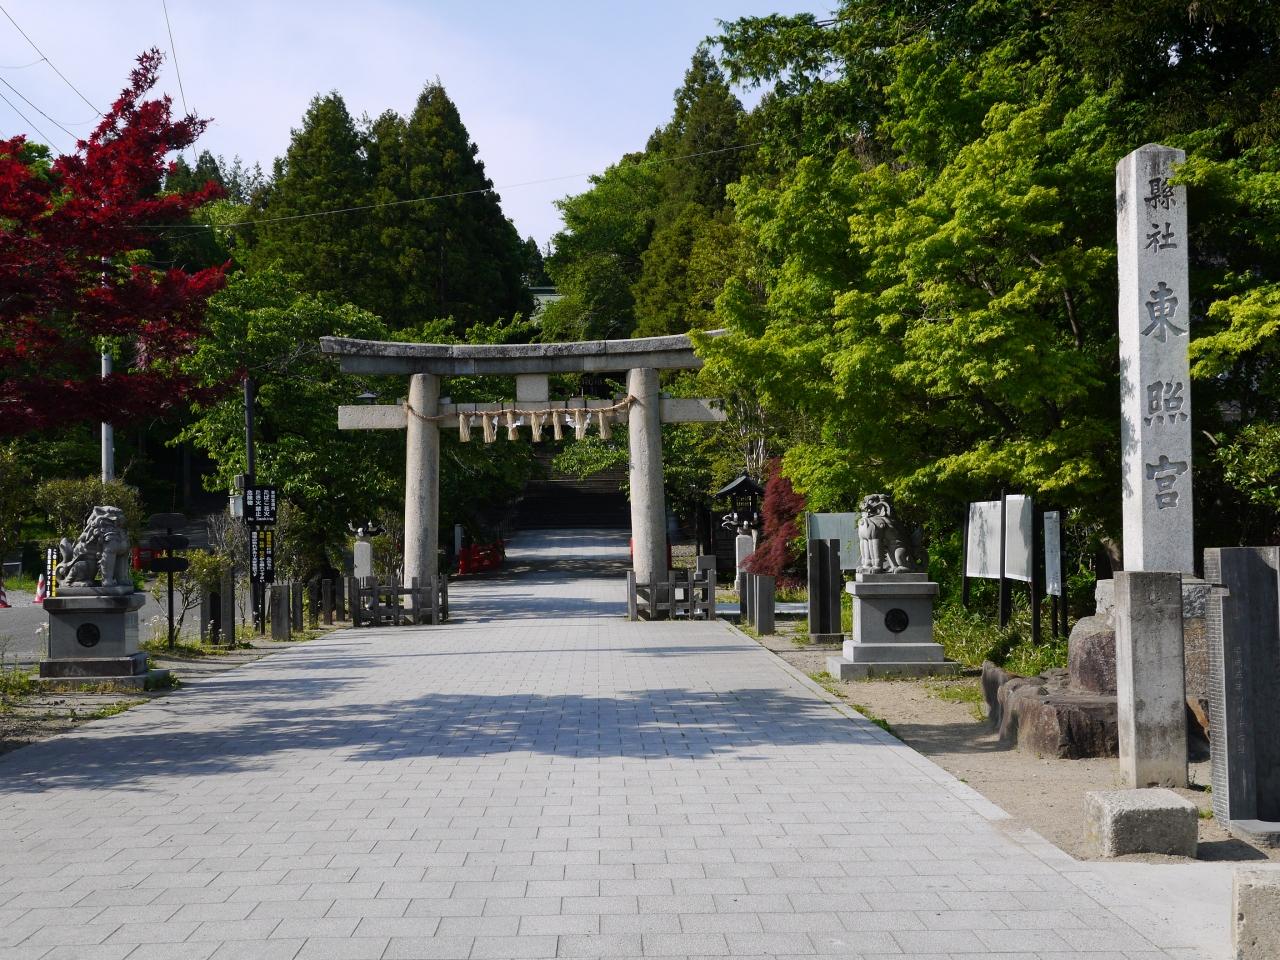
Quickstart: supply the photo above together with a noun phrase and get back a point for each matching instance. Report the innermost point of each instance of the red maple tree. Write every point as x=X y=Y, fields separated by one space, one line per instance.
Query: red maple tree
x=777 y=554
x=70 y=232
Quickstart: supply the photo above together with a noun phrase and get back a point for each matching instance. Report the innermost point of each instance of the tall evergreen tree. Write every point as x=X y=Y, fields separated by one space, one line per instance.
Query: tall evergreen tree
x=702 y=139
x=702 y=145
x=457 y=256
x=324 y=169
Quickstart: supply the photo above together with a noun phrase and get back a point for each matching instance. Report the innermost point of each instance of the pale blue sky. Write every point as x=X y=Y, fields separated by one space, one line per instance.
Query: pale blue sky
x=546 y=89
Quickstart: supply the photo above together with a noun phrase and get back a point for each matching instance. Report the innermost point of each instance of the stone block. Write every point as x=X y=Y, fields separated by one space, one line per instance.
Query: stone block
x=1255 y=914
x=1120 y=822
x=1091 y=655
x=1150 y=689
x=1047 y=717
x=1195 y=642
x=94 y=668
x=993 y=678
x=843 y=669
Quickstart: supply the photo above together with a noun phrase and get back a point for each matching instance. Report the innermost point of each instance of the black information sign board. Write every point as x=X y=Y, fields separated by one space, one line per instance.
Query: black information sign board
x=260 y=505
x=262 y=555
x=50 y=565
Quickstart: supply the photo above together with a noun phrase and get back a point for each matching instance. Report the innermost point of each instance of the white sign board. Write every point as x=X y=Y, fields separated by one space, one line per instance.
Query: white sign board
x=1053 y=553
x=982 y=545
x=838 y=526
x=1019 y=513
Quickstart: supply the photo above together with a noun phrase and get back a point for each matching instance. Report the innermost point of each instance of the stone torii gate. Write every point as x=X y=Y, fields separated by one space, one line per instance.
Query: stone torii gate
x=530 y=364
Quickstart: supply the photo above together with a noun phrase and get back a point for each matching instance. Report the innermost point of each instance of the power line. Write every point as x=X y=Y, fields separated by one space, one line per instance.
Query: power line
x=440 y=196
x=44 y=136
x=74 y=138
x=23 y=66
x=45 y=58
x=174 y=50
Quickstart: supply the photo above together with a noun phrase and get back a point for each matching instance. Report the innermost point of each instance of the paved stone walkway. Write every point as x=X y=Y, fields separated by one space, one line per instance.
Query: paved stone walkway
x=558 y=784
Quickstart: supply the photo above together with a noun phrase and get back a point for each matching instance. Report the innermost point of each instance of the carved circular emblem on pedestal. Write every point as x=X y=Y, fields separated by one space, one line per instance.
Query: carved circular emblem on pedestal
x=88 y=634
x=896 y=620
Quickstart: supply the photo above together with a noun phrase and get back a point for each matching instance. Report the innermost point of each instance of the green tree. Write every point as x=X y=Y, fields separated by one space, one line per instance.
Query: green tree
x=68 y=503
x=598 y=255
x=457 y=256
x=928 y=289
x=262 y=326
x=323 y=170
x=703 y=141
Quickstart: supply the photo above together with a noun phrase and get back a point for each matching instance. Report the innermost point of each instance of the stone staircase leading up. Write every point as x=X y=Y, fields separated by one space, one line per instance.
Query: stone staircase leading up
x=561 y=502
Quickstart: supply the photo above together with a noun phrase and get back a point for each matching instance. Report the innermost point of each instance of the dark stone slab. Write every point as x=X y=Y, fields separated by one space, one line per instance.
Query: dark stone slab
x=1243 y=623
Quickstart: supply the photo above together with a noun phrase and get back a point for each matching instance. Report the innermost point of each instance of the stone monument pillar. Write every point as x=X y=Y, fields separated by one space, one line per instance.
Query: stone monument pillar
x=93 y=619
x=648 y=501
x=422 y=480
x=1155 y=439
x=744 y=545
x=1155 y=395
x=892 y=605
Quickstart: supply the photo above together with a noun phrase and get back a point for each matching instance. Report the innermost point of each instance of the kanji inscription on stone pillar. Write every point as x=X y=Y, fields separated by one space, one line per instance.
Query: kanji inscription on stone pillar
x=1155 y=388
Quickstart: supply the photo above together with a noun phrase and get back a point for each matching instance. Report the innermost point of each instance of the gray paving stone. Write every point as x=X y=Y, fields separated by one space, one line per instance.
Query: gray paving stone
x=537 y=776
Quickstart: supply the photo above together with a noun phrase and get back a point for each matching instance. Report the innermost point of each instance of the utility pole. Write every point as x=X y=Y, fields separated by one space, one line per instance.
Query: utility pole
x=257 y=590
x=108 y=432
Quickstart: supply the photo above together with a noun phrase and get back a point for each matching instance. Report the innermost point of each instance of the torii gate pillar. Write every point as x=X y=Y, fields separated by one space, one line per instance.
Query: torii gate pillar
x=648 y=503
x=422 y=481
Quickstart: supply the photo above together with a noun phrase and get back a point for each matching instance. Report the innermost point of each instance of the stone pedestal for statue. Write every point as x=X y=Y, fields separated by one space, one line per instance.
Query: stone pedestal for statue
x=892 y=630
x=93 y=637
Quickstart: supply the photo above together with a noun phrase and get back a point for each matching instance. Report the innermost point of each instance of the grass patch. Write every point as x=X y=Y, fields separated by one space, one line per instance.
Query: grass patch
x=168 y=681
x=956 y=691
x=159 y=647
x=802 y=639
x=880 y=722
x=16 y=682
x=111 y=709
x=25 y=583
x=826 y=681
x=971 y=637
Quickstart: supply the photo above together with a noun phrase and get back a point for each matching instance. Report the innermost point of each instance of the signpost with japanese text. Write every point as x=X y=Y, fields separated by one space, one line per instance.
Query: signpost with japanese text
x=1155 y=397
x=262 y=555
x=260 y=505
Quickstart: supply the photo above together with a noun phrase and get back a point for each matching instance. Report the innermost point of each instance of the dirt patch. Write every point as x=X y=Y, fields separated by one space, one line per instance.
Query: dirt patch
x=939 y=718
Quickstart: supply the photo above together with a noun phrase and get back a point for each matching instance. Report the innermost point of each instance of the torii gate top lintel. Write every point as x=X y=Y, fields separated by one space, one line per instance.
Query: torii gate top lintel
x=463 y=359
